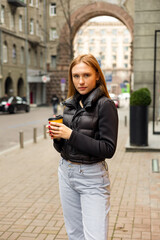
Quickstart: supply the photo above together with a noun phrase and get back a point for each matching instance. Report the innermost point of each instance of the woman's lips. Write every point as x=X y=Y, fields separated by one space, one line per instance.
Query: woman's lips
x=82 y=88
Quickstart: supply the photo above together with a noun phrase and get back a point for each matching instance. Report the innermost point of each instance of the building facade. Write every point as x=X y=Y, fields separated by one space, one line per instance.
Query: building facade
x=110 y=43
x=23 y=50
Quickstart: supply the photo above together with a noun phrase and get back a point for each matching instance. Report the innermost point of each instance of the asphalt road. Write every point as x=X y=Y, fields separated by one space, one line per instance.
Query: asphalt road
x=12 y=124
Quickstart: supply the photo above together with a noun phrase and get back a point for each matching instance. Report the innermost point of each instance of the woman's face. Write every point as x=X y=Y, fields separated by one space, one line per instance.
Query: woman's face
x=84 y=78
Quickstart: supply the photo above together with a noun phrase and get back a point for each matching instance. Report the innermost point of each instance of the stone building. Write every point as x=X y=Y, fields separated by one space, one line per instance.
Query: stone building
x=23 y=50
x=110 y=43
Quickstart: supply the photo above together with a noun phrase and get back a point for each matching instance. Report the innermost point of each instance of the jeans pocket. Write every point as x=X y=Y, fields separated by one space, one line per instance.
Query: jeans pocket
x=105 y=165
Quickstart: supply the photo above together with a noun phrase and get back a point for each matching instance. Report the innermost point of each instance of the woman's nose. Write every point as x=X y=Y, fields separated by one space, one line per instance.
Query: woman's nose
x=81 y=81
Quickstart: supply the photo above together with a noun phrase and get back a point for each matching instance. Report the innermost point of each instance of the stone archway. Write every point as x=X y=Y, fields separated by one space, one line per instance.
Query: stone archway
x=8 y=86
x=85 y=13
x=20 y=87
x=78 y=18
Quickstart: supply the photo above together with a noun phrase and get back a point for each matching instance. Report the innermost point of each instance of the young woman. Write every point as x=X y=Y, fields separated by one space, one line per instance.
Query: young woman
x=87 y=136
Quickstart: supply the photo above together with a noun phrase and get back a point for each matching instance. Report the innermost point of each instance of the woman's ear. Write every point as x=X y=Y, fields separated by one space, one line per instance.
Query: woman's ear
x=97 y=76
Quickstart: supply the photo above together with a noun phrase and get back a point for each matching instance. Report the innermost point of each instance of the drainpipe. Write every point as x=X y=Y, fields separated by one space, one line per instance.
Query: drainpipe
x=45 y=43
x=26 y=52
x=1 y=57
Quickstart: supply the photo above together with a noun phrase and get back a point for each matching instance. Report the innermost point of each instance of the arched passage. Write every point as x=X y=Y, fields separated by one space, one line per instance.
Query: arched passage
x=83 y=14
x=20 y=87
x=8 y=86
x=78 y=18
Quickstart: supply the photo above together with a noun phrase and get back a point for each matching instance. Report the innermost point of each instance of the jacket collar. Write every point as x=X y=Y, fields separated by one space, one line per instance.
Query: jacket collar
x=88 y=102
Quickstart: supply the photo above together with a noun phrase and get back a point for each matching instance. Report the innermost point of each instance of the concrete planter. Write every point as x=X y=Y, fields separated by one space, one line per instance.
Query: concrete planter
x=139 y=125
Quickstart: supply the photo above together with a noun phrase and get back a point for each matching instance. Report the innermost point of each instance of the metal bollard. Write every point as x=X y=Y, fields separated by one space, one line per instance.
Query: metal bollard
x=125 y=121
x=44 y=130
x=34 y=135
x=21 y=139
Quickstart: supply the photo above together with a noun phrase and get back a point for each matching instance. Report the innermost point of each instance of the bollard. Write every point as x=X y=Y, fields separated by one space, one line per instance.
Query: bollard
x=125 y=121
x=44 y=130
x=34 y=135
x=21 y=139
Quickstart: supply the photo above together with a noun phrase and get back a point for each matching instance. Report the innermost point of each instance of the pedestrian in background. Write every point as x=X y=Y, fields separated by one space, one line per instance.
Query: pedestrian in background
x=55 y=102
x=86 y=137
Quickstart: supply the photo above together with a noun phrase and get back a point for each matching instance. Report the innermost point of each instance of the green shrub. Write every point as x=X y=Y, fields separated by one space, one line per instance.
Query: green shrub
x=141 y=97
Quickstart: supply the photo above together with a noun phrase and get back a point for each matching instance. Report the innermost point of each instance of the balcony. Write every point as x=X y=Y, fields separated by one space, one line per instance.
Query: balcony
x=17 y=3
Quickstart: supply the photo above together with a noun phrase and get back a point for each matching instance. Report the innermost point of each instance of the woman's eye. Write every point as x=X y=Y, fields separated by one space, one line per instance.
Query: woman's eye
x=86 y=75
x=75 y=76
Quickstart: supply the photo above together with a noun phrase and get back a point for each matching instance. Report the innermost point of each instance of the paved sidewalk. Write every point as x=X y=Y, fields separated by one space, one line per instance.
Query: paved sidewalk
x=30 y=207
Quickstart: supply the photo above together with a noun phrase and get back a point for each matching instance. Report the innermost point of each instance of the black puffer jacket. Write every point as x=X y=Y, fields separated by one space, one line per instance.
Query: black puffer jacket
x=95 y=127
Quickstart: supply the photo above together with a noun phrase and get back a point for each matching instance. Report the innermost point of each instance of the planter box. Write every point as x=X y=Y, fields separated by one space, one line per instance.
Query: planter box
x=139 y=125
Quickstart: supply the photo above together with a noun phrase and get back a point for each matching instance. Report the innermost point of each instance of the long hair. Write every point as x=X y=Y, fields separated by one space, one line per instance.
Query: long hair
x=91 y=61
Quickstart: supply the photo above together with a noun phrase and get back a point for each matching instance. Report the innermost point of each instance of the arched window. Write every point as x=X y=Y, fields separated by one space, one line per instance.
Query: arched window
x=14 y=54
x=22 y=55
x=5 y=52
x=29 y=56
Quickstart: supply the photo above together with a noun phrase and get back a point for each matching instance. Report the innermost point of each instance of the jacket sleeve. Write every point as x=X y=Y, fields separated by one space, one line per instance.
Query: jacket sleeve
x=58 y=144
x=105 y=146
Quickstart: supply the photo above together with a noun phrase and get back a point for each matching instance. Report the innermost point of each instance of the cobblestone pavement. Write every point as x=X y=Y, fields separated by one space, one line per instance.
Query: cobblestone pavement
x=29 y=197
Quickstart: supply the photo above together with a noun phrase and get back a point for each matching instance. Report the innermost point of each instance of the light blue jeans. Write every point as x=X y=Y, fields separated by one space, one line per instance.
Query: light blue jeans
x=85 y=198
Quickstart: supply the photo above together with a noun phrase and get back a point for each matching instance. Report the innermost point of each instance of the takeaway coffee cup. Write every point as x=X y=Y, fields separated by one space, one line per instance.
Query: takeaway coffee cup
x=58 y=119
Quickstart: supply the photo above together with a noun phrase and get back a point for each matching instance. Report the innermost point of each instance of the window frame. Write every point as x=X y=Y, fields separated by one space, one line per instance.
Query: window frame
x=31 y=26
x=52 y=9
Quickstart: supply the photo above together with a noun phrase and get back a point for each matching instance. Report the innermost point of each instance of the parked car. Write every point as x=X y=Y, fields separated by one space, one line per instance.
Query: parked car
x=115 y=99
x=13 y=104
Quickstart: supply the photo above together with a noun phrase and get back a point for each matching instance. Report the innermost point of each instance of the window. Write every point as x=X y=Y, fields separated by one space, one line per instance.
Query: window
x=103 y=31
x=126 y=32
x=114 y=49
x=102 y=57
x=114 y=65
x=53 y=9
x=41 y=60
x=114 y=31
x=125 y=56
x=31 y=26
x=90 y=49
x=91 y=40
x=20 y=23
x=103 y=40
x=2 y=13
x=53 y=61
x=102 y=49
x=31 y=2
x=114 y=57
x=126 y=65
x=79 y=40
x=5 y=52
x=14 y=54
x=22 y=55
x=114 y=40
x=126 y=49
x=12 y=23
x=91 y=32
x=53 y=34
x=37 y=3
x=29 y=56
x=126 y=40
x=80 y=49
x=37 y=28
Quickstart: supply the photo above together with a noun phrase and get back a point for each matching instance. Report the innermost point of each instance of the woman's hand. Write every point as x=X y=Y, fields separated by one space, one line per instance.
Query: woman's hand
x=58 y=130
